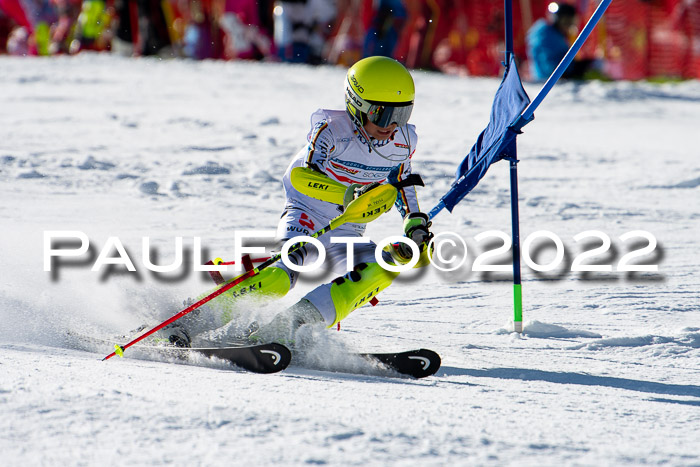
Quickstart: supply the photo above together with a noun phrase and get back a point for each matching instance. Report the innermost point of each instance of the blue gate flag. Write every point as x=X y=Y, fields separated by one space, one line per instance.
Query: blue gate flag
x=496 y=142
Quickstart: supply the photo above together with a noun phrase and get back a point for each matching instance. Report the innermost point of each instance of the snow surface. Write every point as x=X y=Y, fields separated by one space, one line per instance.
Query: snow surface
x=606 y=373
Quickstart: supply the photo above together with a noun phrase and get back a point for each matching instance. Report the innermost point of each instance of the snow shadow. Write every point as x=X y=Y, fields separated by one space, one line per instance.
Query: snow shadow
x=688 y=339
x=580 y=379
x=685 y=184
x=676 y=401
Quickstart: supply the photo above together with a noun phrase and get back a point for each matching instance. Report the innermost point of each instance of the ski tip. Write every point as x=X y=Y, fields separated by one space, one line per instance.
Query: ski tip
x=418 y=363
x=425 y=362
x=435 y=358
x=277 y=356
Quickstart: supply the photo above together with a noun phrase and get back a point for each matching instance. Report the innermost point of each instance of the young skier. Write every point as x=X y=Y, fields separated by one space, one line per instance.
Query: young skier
x=369 y=142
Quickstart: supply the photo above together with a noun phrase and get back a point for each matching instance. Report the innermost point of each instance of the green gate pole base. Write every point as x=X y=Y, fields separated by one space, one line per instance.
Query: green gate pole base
x=518 y=308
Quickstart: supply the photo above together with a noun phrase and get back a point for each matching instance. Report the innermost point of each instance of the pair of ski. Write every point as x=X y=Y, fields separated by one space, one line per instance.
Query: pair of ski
x=274 y=357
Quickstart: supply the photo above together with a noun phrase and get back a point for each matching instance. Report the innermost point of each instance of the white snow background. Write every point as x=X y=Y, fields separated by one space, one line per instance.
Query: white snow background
x=606 y=373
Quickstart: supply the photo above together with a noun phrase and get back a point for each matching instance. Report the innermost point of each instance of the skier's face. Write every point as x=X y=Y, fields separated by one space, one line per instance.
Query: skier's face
x=378 y=132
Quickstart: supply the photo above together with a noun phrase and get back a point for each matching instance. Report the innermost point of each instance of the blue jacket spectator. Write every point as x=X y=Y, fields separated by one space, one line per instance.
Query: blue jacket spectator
x=547 y=42
x=383 y=33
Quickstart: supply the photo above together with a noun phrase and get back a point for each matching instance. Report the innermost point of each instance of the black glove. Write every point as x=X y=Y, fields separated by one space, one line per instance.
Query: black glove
x=416 y=226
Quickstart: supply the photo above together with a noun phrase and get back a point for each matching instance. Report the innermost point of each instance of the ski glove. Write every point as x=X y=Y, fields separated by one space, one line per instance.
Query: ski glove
x=416 y=226
x=355 y=190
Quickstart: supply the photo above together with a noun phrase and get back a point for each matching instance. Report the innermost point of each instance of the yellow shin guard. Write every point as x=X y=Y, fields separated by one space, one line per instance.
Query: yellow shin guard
x=358 y=287
x=270 y=283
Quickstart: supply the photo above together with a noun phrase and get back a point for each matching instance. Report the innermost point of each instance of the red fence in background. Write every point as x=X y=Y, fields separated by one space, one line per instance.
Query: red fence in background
x=636 y=39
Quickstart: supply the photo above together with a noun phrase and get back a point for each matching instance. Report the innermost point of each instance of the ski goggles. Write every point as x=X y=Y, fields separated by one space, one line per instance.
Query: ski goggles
x=384 y=115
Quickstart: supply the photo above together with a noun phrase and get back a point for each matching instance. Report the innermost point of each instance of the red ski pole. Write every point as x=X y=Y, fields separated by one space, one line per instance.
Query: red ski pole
x=119 y=349
x=365 y=208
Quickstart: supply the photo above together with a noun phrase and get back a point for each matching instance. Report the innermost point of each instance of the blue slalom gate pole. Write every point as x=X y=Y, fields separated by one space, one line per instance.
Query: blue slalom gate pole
x=497 y=141
x=524 y=119
x=515 y=225
x=508 y=13
x=514 y=211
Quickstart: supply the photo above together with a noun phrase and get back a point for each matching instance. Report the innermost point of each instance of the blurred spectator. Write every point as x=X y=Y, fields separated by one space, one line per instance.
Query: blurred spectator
x=302 y=28
x=638 y=39
x=63 y=30
x=345 y=44
x=42 y=13
x=547 y=43
x=156 y=40
x=92 y=27
x=141 y=28
x=5 y=28
x=201 y=33
x=125 y=37
x=383 y=33
x=18 y=41
x=245 y=35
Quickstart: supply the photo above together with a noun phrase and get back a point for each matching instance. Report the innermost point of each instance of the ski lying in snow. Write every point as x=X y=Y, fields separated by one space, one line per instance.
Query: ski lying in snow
x=262 y=358
x=417 y=363
x=258 y=358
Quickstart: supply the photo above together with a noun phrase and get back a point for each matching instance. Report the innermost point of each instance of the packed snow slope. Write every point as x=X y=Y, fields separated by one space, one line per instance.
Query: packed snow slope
x=607 y=372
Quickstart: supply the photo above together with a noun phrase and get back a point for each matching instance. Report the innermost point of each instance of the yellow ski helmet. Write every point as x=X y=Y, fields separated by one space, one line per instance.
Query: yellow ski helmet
x=379 y=90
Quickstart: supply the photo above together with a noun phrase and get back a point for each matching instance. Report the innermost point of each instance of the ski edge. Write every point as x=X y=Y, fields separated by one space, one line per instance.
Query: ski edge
x=258 y=358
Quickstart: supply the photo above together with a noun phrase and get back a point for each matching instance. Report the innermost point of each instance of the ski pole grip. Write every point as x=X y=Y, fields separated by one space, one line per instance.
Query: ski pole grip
x=411 y=180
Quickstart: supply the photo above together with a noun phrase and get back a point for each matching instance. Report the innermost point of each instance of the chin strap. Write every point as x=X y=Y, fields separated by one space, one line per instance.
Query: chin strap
x=368 y=138
x=371 y=147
